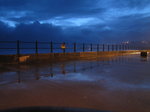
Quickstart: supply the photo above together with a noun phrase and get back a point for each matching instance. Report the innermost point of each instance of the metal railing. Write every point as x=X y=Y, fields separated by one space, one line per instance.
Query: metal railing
x=22 y=47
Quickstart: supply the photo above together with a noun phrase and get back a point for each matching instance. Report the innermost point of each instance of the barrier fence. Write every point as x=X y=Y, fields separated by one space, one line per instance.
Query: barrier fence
x=22 y=47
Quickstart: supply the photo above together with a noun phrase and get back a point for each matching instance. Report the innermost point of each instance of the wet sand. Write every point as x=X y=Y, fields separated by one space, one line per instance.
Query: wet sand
x=119 y=84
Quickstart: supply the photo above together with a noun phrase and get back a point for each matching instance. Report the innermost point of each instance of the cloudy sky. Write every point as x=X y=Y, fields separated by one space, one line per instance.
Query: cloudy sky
x=75 y=20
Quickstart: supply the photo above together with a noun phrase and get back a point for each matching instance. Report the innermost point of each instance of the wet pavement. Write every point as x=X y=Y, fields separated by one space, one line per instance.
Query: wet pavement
x=119 y=84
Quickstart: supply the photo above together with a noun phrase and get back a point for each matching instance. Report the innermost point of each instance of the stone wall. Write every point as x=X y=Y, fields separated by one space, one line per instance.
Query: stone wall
x=53 y=57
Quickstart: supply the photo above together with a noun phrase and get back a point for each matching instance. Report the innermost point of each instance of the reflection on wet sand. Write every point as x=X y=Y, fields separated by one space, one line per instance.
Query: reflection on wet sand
x=144 y=59
x=52 y=70
x=63 y=68
x=116 y=84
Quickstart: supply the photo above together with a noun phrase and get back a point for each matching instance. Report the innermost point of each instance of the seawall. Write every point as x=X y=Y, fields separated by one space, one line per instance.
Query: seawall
x=57 y=57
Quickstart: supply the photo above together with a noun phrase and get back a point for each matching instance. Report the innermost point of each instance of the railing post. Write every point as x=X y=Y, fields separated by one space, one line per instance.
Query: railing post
x=36 y=47
x=64 y=49
x=108 y=47
x=134 y=47
x=103 y=47
x=75 y=47
x=120 y=47
x=112 y=47
x=91 y=47
x=51 y=47
x=123 y=47
x=97 y=47
x=126 y=47
x=83 y=47
x=116 y=47
x=147 y=48
x=18 y=50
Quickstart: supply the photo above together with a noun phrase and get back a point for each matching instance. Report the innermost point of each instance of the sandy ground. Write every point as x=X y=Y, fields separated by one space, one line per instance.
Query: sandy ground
x=119 y=84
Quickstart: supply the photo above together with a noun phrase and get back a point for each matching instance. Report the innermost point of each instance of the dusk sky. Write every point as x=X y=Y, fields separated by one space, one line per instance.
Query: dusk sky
x=75 y=20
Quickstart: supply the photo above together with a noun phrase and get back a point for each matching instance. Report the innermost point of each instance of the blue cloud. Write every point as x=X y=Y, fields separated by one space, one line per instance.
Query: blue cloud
x=96 y=20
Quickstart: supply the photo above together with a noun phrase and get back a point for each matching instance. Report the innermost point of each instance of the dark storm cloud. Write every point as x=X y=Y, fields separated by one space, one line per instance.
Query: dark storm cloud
x=5 y=31
x=90 y=20
x=130 y=3
x=30 y=32
x=30 y=10
x=45 y=9
x=136 y=27
x=43 y=32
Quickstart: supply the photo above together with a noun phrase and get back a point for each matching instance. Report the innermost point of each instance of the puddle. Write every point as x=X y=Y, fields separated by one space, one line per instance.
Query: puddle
x=110 y=84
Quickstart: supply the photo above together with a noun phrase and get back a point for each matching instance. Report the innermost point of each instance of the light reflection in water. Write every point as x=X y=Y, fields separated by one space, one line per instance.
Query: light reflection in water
x=88 y=70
